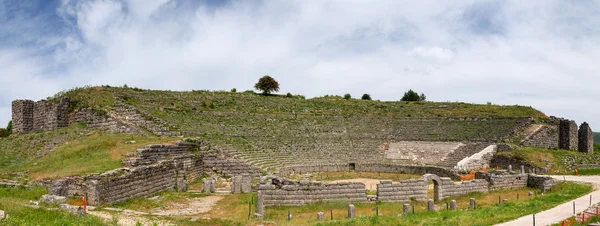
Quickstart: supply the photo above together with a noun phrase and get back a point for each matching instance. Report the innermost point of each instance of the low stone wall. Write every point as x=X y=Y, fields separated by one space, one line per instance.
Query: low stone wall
x=120 y=184
x=450 y=188
x=543 y=183
x=510 y=181
x=369 y=167
x=157 y=152
x=403 y=191
x=221 y=163
x=304 y=192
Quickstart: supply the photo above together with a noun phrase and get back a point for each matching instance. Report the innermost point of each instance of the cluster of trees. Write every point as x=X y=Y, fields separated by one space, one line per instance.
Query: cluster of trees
x=268 y=84
x=5 y=132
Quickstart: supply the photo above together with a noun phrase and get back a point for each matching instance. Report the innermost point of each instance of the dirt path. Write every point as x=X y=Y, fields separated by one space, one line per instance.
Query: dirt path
x=565 y=210
x=130 y=218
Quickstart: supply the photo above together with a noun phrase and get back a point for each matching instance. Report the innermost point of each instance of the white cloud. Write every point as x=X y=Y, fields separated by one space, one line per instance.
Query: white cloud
x=534 y=53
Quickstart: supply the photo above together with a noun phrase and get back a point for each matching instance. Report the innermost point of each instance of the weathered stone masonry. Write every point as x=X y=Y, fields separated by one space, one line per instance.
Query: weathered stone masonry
x=586 y=139
x=368 y=167
x=22 y=116
x=283 y=192
x=567 y=135
x=30 y=116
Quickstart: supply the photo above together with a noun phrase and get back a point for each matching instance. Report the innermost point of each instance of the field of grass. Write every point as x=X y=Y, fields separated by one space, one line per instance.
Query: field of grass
x=233 y=210
x=166 y=199
x=80 y=152
x=14 y=200
x=561 y=160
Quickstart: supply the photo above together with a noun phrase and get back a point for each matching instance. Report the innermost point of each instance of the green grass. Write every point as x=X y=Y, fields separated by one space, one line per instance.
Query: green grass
x=87 y=152
x=14 y=200
x=596 y=137
x=589 y=171
x=561 y=160
x=485 y=215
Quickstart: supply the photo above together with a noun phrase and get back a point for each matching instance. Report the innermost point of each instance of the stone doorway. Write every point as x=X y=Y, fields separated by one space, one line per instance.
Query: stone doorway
x=437 y=188
x=352 y=167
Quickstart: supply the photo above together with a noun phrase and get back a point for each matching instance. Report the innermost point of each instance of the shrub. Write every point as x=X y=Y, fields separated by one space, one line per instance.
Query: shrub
x=411 y=95
x=9 y=126
x=365 y=96
x=267 y=84
x=4 y=132
x=233 y=90
x=289 y=95
x=347 y=96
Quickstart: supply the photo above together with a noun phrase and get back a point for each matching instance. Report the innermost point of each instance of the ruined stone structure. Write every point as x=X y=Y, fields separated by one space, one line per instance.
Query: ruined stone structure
x=563 y=134
x=567 y=139
x=155 y=168
x=31 y=116
x=586 y=139
x=22 y=116
x=283 y=192
x=46 y=115
x=403 y=191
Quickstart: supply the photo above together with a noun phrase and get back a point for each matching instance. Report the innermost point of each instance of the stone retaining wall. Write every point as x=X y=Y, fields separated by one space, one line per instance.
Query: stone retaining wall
x=403 y=191
x=368 y=167
x=119 y=184
x=509 y=181
x=97 y=120
x=450 y=188
x=544 y=183
x=305 y=192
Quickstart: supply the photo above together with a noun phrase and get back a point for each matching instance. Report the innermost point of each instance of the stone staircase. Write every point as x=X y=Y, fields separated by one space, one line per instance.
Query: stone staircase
x=461 y=153
x=130 y=116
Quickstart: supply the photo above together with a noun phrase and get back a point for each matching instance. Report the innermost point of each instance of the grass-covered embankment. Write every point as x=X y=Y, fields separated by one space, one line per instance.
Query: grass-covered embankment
x=561 y=161
x=66 y=152
x=14 y=200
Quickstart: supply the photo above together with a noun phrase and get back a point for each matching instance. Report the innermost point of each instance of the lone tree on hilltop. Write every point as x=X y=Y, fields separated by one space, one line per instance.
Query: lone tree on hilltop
x=411 y=95
x=267 y=84
x=365 y=96
x=347 y=96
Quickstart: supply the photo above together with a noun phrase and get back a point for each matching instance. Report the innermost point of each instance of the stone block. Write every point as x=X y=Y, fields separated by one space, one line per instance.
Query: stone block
x=472 y=203
x=320 y=216
x=53 y=199
x=453 y=205
x=406 y=208
x=351 y=213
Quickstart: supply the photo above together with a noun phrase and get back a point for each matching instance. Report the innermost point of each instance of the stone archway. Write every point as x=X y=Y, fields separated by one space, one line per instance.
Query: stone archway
x=437 y=185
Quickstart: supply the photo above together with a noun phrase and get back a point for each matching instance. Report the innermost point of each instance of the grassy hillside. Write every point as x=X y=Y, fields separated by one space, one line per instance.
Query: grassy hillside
x=65 y=152
x=282 y=130
x=597 y=138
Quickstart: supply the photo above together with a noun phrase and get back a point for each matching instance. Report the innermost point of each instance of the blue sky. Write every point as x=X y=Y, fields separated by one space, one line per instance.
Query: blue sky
x=534 y=53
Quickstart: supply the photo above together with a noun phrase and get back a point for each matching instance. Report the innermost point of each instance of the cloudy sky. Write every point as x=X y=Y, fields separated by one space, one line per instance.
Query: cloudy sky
x=543 y=54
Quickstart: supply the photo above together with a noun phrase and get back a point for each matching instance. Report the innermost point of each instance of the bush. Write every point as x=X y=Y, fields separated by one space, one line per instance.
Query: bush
x=347 y=96
x=597 y=148
x=9 y=126
x=365 y=96
x=4 y=132
x=289 y=95
x=267 y=84
x=233 y=90
x=411 y=95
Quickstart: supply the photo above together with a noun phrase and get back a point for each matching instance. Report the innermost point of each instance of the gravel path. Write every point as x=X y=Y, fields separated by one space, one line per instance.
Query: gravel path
x=563 y=211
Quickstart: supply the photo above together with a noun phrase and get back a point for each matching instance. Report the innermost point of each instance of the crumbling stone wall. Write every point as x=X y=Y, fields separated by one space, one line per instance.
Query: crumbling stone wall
x=544 y=183
x=545 y=137
x=586 y=138
x=403 y=191
x=507 y=181
x=304 y=192
x=22 y=116
x=42 y=115
x=207 y=159
x=567 y=135
x=503 y=162
x=119 y=184
x=97 y=120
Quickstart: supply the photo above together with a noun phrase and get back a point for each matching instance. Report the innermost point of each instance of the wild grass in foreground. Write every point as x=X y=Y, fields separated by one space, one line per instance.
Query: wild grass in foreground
x=589 y=171
x=14 y=200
